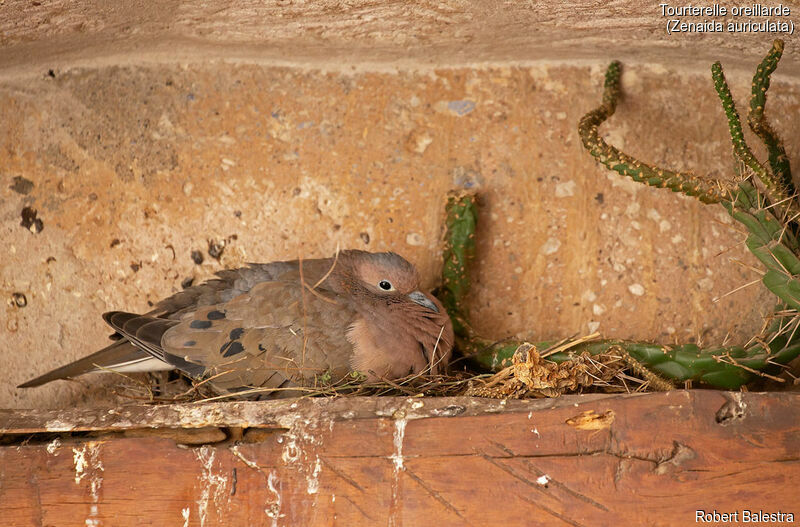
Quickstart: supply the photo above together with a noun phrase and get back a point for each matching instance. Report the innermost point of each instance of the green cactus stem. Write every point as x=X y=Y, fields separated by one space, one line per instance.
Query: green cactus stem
x=771 y=242
x=707 y=190
x=725 y=367
x=778 y=160
x=775 y=246
x=459 y=250
x=775 y=187
x=768 y=239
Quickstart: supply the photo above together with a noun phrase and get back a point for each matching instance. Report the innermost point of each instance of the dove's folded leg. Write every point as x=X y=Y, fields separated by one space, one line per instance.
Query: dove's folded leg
x=121 y=356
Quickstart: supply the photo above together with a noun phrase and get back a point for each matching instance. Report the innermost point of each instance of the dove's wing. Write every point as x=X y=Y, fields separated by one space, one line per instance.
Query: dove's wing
x=132 y=353
x=274 y=336
x=121 y=356
x=231 y=283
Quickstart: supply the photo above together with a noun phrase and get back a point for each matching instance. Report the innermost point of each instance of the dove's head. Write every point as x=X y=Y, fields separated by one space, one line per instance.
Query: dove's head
x=399 y=320
x=385 y=274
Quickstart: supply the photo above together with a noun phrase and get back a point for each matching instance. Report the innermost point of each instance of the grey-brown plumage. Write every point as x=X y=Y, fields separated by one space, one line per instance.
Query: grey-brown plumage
x=276 y=326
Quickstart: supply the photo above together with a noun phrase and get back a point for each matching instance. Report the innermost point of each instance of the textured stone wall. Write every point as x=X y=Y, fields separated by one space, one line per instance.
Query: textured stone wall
x=133 y=163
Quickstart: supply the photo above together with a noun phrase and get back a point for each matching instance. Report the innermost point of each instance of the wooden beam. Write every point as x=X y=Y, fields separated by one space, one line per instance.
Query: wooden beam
x=653 y=459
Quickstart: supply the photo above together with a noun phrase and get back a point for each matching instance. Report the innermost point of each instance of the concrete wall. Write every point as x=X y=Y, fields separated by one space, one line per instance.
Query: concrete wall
x=138 y=137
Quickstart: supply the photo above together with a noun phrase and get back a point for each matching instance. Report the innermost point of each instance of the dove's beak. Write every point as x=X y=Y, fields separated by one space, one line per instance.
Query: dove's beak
x=420 y=298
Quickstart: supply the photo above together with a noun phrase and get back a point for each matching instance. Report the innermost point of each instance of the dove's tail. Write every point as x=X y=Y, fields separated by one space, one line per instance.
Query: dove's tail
x=121 y=356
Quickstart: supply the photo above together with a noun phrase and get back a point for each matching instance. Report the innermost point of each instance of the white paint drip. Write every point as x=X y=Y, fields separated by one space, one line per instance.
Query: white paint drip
x=79 y=460
x=87 y=461
x=55 y=425
x=92 y=520
x=249 y=462
x=185 y=513
x=53 y=446
x=274 y=510
x=536 y=431
x=543 y=480
x=399 y=435
x=738 y=398
x=398 y=462
x=313 y=479
x=303 y=432
x=214 y=486
x=291 y=452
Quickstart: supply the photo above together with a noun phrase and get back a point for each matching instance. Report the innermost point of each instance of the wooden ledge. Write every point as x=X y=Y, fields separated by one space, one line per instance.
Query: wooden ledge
x=653 y=459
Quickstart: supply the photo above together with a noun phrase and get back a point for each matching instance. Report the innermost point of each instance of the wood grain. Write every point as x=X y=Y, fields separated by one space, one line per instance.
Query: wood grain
x=653 y=460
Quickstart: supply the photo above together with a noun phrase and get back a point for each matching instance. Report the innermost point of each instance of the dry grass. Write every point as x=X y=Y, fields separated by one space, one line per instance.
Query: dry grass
x=530 y=375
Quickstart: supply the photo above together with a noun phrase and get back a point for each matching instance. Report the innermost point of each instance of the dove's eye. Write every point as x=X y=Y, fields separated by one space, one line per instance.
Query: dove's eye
x=386 y=285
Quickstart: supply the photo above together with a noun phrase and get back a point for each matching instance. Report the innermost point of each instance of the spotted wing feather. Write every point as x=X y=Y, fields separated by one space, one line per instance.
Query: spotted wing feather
x=275 y=336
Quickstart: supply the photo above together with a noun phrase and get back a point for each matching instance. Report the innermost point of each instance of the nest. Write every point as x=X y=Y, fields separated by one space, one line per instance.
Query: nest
x=532 y=375
x=529 y=374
